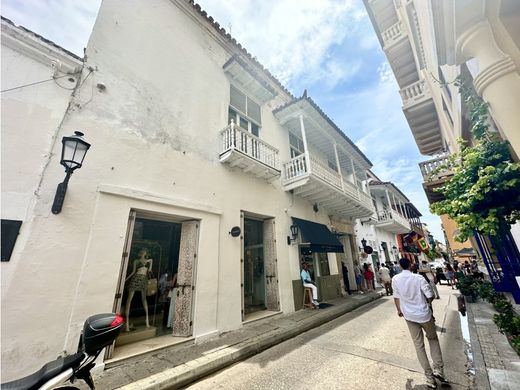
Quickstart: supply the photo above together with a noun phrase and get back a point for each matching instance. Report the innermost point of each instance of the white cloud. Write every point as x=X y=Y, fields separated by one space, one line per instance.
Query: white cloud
x=67 y=23
x=293 y=38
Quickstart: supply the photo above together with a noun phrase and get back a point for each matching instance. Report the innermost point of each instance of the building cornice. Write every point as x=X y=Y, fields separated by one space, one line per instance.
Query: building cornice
x=38 y=48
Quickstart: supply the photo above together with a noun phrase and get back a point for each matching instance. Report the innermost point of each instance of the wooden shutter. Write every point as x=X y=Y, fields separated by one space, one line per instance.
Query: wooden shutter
x=272 y=300
x=182 y=324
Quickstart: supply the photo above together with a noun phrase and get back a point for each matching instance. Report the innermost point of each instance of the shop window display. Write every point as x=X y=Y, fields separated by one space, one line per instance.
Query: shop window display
x=148 y=299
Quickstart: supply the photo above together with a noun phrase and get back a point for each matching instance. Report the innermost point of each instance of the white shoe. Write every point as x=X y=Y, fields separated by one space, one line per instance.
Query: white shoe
x=431 y=383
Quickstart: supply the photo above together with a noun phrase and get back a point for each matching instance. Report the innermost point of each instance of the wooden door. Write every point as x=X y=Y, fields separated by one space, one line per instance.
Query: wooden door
x=272 y=300
x=183 y=322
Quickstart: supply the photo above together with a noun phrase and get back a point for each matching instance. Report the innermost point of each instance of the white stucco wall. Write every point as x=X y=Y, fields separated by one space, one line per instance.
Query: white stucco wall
x=30 y=119
x=155 y=142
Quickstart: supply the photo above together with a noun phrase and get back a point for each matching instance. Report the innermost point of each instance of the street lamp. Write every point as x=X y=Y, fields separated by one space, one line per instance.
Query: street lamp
x=364 y=243
x=294 y=233
x=73 y=151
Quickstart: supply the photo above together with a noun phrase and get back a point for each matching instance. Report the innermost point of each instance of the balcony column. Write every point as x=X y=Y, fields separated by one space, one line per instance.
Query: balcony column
x=406 y=212
x=339 y=167
x=498 y=80
x=304 y=138
x=388 y=199
x=354 y=177
x=395 y=203
x=401 y=210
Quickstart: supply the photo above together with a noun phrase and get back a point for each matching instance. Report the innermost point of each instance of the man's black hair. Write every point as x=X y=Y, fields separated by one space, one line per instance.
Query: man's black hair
x=404 y=262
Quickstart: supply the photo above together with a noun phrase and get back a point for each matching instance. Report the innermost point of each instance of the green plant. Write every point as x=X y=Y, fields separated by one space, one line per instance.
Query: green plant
x=486 y=291
x=468 y=286
x=515 y=342
x=483 y=195
x=504 y=322
x=504 y=306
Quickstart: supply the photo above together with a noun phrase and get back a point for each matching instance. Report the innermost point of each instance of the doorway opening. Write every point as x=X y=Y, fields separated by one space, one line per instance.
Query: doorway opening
x=155 y=290
x=259 y=269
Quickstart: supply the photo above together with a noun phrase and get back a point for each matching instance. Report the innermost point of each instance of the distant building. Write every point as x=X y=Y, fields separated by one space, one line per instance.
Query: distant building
x=199 y=156
x=428 y=44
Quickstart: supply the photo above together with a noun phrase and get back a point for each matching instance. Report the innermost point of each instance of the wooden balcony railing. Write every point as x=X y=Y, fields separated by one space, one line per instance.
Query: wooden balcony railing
x=234 y=137
x=297 y=168
x=386 y=216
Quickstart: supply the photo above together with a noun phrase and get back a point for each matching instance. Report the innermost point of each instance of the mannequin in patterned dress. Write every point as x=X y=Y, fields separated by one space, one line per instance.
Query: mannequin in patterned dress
x=138 y=281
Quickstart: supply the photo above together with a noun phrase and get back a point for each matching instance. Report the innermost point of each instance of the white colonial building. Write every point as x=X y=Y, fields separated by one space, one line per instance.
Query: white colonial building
x=198 y=155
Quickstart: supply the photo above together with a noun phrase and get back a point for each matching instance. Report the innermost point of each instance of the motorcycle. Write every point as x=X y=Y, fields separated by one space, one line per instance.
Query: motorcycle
x=99 y=331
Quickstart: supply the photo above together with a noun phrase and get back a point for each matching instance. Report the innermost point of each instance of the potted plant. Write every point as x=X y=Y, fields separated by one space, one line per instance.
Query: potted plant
x=469 y=288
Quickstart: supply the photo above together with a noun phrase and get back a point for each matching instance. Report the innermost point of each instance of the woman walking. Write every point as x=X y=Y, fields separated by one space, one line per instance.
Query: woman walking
x=368 y=274
x=450 y=275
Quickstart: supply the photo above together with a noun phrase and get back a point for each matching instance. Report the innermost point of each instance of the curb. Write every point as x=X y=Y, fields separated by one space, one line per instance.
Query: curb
x=481 y=378
x=191 y=371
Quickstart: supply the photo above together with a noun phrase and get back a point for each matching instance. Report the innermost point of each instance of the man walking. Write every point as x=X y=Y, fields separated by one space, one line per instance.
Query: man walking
x=412 y=298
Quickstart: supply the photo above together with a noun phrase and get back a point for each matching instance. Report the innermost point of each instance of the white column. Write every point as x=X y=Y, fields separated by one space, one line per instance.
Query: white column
x=395 y=203
x=338 y=166
x=304 y=138
x=406 y=212
x=388 y=199
x=498 y=80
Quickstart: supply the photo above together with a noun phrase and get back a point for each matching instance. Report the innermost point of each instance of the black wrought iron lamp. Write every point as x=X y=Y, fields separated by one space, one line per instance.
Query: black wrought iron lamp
x=73 y=151
x=364 y=243
x=294 y=233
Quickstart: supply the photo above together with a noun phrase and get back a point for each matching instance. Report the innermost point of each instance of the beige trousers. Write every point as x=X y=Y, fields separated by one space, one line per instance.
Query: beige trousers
x=416 y=331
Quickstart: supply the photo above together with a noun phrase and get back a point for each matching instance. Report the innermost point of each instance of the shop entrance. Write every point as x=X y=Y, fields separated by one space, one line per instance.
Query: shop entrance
x=156 y=282
x=259 y=270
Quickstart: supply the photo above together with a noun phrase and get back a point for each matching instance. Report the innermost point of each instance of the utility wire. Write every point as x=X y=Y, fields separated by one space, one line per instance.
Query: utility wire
x=35 y=83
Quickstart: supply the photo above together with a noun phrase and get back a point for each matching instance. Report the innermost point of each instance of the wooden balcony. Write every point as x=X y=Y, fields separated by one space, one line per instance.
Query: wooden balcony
x=321 y=185
x=243 y=150
x=393 y=222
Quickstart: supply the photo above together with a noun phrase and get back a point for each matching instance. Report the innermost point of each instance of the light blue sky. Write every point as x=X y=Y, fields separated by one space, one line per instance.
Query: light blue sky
x=327 y=47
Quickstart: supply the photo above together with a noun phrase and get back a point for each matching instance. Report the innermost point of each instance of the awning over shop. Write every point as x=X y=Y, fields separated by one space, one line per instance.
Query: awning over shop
x=318 y=236
x=465 y=252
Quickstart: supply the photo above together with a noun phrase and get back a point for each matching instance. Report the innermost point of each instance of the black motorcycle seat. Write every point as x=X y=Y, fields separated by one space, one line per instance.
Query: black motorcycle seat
x=47 y=372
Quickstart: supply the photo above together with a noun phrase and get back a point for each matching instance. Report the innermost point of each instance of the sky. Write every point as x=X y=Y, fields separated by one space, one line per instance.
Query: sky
x=328 y=47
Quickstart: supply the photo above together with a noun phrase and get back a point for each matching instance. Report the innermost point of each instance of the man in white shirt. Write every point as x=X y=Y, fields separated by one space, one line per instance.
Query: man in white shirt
x=386 y=279
x=412 y=298
x=309 y=283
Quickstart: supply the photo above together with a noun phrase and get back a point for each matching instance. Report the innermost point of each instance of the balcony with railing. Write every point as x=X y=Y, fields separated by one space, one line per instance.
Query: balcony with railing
x=421 y=114
x=436 y=169
x=414 y=94
x=392 y=35
x=323 y=186
x=435 y=172
x=393 y=222
x=243 y=150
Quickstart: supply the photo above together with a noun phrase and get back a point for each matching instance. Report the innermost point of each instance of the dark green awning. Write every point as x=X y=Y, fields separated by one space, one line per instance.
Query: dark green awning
x=318 y=236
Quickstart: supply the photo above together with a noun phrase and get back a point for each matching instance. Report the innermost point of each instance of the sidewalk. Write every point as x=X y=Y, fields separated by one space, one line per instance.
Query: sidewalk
x=496 y=364
x=177 y=366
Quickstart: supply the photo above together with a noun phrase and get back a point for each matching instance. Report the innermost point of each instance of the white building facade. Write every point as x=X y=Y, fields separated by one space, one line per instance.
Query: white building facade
x=199 y=155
